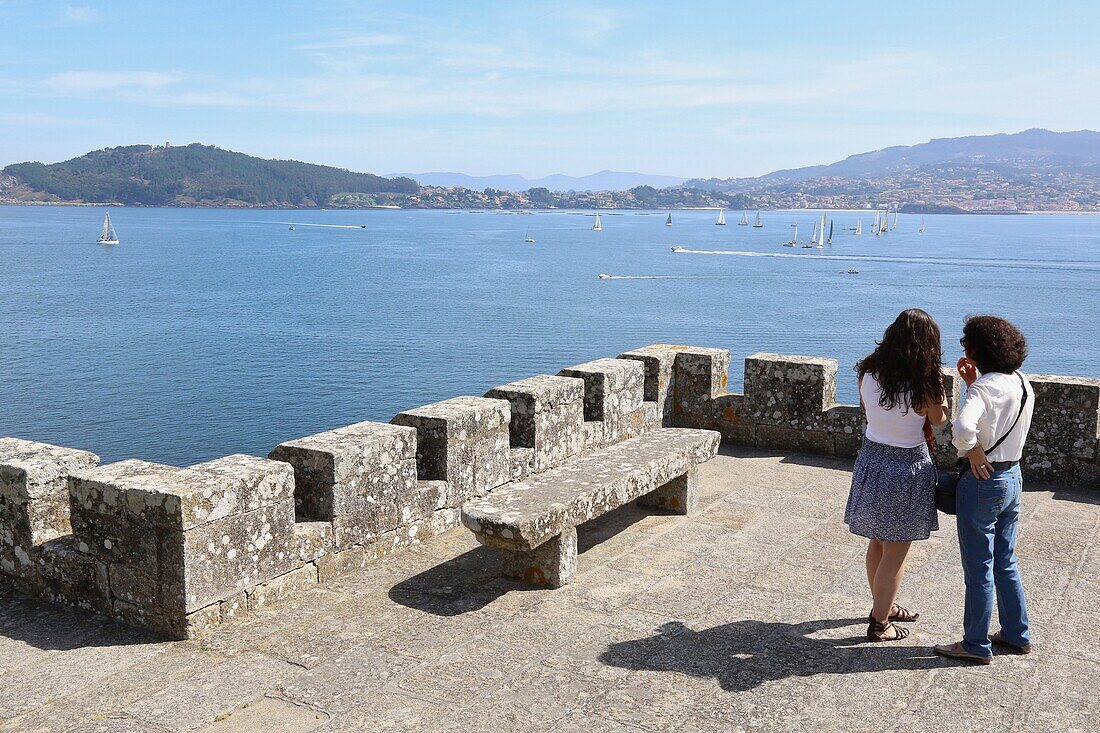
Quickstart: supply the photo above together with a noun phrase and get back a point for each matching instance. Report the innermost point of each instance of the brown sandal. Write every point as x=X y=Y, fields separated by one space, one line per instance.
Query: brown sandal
x=876 y=631
x=899 y=613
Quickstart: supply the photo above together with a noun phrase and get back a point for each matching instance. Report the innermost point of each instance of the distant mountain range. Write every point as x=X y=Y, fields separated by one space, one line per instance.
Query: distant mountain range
x=602 y=181
x=1031 y=150
x=1033 y=170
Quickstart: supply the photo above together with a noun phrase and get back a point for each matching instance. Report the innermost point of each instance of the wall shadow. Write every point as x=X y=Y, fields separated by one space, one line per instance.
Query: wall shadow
x=745 y=654
x=54 y=627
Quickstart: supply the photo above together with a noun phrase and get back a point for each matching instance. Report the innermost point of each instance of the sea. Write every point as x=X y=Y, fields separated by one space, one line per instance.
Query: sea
x=208 y=332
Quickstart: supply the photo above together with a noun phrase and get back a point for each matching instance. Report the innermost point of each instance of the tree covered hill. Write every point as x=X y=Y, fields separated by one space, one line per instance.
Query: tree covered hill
x=192 y=175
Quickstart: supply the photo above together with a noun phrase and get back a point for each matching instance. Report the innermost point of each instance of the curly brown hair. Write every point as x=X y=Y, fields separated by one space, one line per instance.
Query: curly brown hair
x=907 y=362
x=994 y=344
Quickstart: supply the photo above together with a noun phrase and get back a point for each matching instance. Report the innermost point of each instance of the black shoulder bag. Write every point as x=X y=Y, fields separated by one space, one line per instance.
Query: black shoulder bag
x=948 y=484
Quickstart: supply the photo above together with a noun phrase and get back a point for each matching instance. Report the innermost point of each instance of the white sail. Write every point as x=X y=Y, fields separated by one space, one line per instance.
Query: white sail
x=813 y=239
x=721 y=218
x=895 y=226
x=107 y=235
x=794 y=237
x=821 y=236
x=759 y=222
x=744 y=219
x=859 y=226
x=874 y=224
x=598 y=226
x=921 y=231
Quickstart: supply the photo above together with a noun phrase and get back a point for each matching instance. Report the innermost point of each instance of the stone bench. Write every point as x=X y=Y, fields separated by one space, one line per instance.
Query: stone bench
x=533 y=522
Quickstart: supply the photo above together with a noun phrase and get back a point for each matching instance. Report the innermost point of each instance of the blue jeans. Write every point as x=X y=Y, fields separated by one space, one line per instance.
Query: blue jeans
x=988 y=517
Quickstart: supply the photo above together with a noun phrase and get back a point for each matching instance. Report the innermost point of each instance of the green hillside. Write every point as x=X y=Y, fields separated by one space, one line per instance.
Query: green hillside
x=195 y=175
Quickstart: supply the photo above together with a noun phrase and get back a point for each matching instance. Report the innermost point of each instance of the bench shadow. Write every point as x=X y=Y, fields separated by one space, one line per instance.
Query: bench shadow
x=54 y=627
x=742 y=655
x=472 y=580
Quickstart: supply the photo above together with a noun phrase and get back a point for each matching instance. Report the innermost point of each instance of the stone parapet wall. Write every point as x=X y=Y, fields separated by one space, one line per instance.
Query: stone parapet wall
x=789 y=404
x=180 y=550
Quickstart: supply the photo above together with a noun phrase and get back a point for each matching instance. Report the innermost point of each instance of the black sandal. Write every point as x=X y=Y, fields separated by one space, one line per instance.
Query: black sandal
x=876 y=631
x=899 y=613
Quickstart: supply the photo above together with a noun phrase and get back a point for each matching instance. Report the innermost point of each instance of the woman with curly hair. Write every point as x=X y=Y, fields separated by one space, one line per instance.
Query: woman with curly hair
x=996 y=413
x=892 y=500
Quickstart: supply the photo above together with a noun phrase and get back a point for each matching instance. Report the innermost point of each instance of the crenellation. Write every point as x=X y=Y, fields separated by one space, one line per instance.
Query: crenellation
x=613 y=389
x=547 y=414
x=180 y=550
x=658 y=361
x=789 y=391
x=346 y=474
x=34 y=501
x=463 y=441
x=701 y=375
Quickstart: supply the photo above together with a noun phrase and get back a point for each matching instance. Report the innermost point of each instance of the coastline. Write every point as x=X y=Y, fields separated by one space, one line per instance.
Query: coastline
x=392 y=207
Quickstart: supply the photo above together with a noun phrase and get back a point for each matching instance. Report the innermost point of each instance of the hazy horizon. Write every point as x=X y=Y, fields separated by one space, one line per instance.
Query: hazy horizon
x=569 y=88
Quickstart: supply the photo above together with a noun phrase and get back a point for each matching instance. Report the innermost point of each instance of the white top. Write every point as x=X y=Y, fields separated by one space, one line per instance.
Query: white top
x=900 y=427
x=988 y=411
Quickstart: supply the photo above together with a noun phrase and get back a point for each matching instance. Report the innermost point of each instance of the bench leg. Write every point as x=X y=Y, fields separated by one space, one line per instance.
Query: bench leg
x=553 y=563
x=680 y=495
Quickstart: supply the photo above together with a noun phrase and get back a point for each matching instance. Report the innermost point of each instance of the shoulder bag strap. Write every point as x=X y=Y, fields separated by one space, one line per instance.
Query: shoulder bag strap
x=1023 y=401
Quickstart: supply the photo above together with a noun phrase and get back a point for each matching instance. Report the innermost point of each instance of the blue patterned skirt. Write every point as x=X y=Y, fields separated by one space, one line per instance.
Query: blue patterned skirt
x=893 y=494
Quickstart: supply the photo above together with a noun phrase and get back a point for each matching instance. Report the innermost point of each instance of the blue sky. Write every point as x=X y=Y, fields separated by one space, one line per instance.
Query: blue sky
x=691 y=89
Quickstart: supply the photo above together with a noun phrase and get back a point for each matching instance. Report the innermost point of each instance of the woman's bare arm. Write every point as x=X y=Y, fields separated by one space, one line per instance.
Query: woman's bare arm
x=936 y=414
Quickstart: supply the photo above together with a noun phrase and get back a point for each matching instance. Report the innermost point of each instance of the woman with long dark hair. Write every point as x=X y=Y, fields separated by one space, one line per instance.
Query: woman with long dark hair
x=892 y=500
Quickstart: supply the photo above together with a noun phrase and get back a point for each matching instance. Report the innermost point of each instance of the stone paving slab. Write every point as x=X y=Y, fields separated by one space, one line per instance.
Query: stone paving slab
x=746 y=616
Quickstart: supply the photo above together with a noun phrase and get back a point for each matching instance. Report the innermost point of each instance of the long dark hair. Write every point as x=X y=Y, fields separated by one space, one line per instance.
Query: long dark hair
x=907 y=362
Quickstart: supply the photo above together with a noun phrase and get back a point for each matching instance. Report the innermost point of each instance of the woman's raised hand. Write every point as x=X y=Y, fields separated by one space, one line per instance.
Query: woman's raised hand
x=968 y=370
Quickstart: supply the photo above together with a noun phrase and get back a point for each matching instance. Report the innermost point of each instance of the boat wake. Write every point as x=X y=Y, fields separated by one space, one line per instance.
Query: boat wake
x=664 y=277
x=323 y=226
x=949 y=261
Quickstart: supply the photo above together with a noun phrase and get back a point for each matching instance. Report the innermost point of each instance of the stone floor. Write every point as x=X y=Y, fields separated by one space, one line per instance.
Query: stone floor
x=746 y=616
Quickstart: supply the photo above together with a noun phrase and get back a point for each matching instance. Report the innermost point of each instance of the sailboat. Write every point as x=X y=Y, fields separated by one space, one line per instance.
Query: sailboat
x=821 y=237
x=668 y=221
x=721 y=218
x=744 y=220
x=759 y=222
x=813 y=240
x=874 y=224
x=794 y=238
x=830 y=240
x=885 y=222
x=921 y=230
x=859 y=227
x=107 y=236
x=895 y=226
x=527 y=237
x=598 y=225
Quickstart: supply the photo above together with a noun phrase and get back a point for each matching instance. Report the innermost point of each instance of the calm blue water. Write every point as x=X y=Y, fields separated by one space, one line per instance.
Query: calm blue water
x=210 y=332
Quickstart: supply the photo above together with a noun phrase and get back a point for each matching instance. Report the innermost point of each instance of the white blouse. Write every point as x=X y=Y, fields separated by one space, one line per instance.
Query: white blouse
x=988 y=411
x=900 y=427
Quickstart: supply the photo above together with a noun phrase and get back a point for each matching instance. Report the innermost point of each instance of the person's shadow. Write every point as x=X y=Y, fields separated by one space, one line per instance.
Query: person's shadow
x=744 y=654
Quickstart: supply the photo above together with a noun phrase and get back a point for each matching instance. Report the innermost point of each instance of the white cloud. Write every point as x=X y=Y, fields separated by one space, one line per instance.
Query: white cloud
x=78 y=82
x=347 y=41
x=79 y=14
